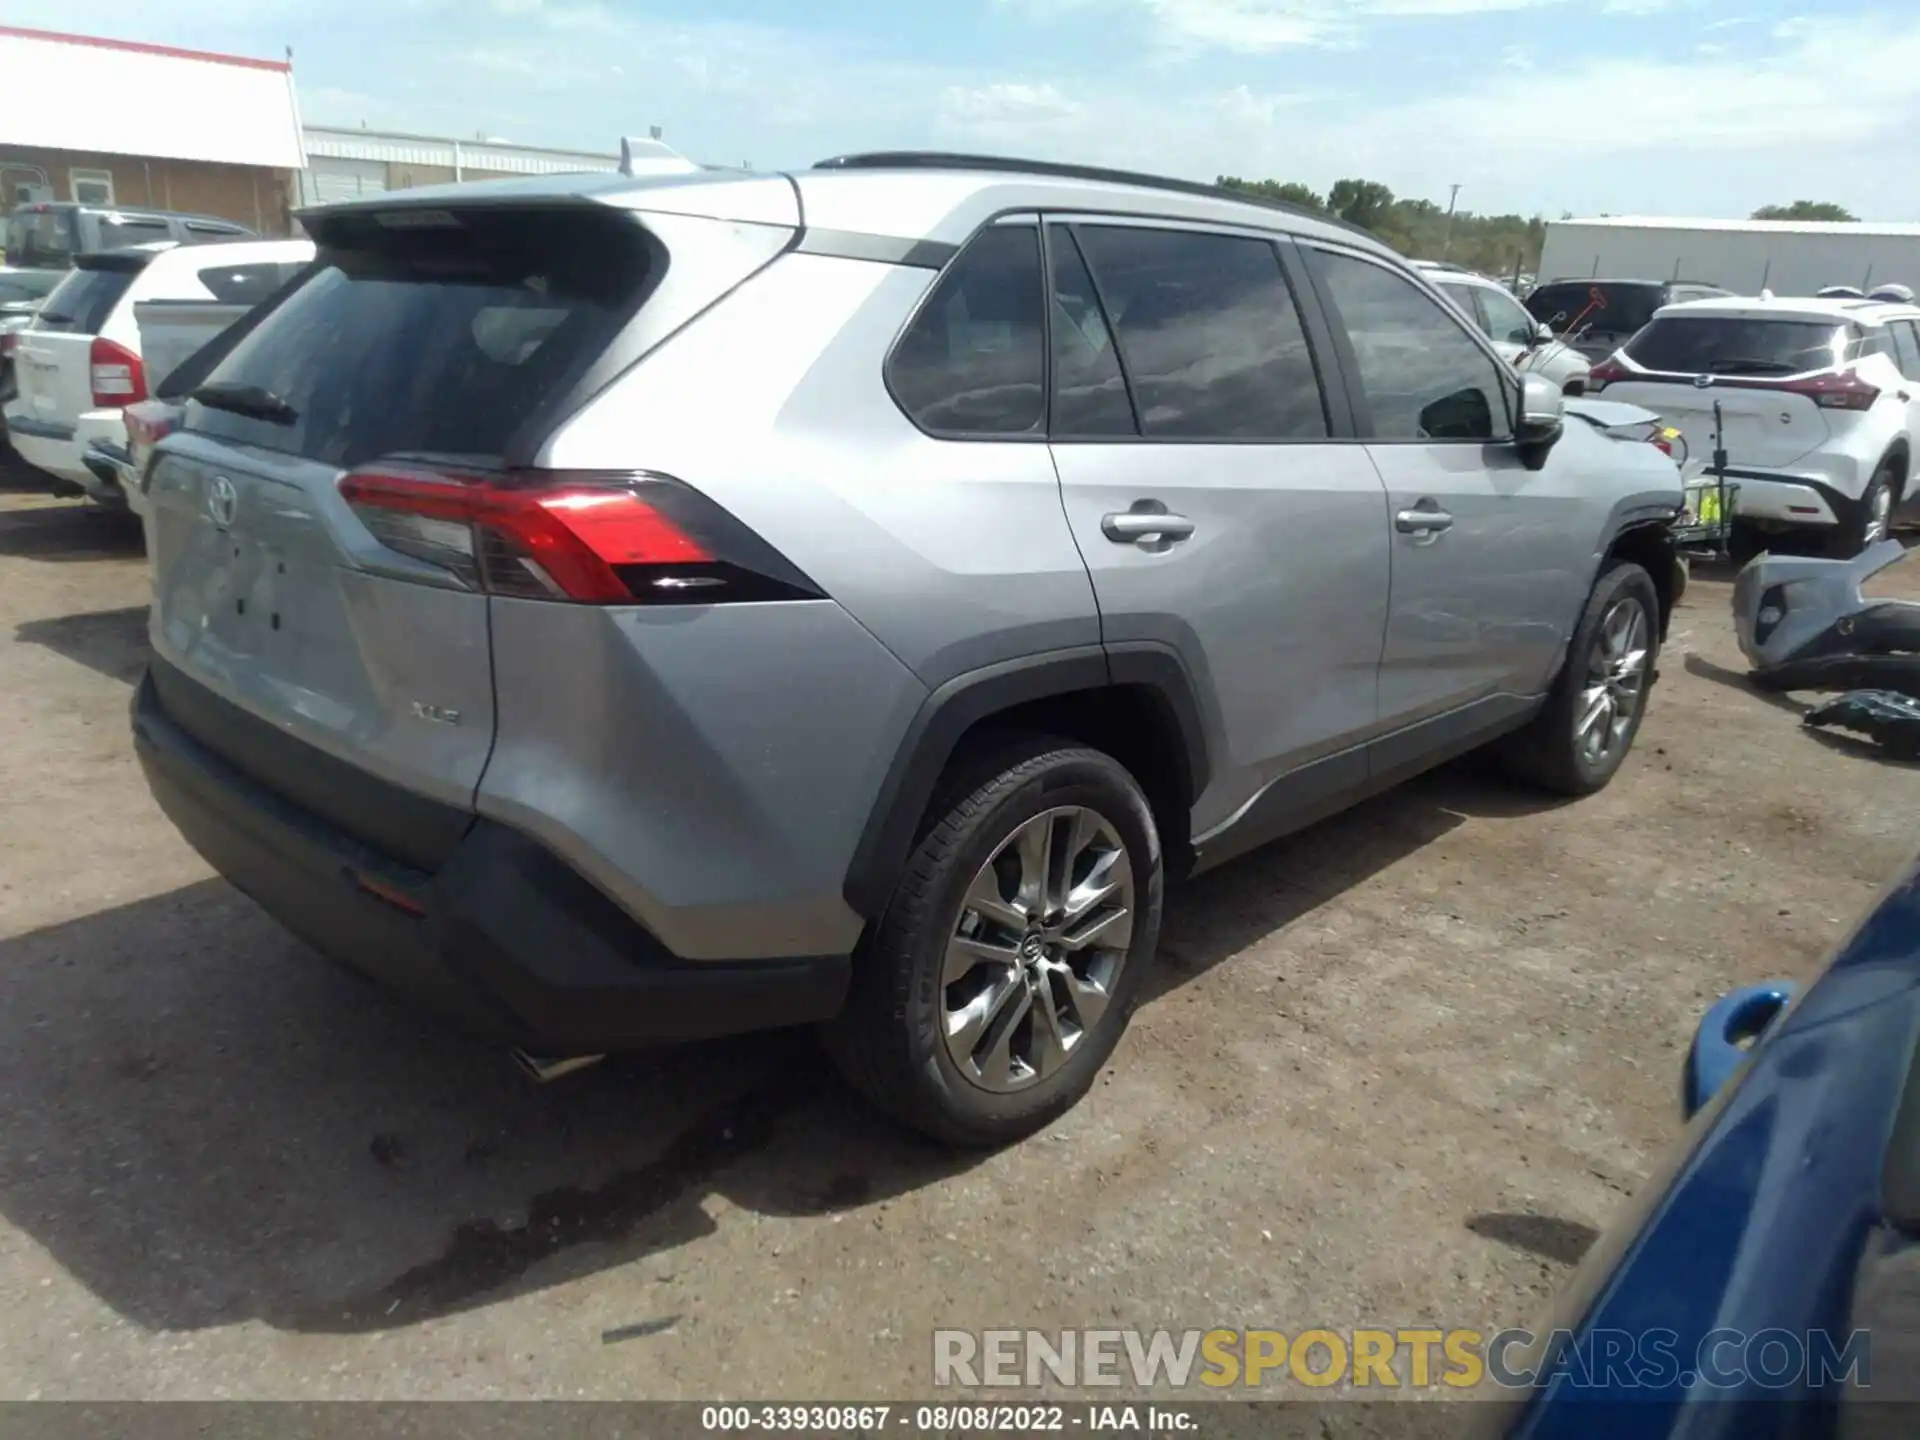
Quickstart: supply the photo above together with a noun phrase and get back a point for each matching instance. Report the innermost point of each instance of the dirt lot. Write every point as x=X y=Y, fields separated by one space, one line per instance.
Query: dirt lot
x=1395 y=1070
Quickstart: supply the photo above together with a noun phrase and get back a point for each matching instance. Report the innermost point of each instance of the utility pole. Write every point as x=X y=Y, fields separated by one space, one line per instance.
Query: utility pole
x=1446 y=243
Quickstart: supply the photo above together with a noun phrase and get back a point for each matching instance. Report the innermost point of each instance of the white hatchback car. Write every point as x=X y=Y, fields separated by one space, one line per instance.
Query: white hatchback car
x=1523 y=342
x=1816 y=401
x=77 y=365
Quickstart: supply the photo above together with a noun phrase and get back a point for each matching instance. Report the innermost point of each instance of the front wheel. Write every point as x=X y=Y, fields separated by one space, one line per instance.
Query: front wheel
x=1008 y=961
x=1583 y=732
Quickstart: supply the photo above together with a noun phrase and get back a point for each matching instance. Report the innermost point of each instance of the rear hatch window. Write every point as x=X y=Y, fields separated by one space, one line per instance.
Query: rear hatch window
x=438 y=335
x=42 y=238
x=1735 y=345
x=81 y=303
x=1607 y=306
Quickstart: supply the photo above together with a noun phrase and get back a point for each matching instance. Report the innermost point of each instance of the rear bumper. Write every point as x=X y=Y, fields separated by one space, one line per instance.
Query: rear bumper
x=61 y=450
x=504 y=939
x=1784 y=499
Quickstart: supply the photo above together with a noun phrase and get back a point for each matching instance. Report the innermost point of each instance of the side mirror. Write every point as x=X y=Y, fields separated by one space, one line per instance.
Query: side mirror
x=1542 y=419
x=1542 y=332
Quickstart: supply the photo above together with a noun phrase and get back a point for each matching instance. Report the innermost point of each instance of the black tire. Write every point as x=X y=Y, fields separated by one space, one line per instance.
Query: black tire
x=1849 y=537
x=1547 y=752
x=888 y=1039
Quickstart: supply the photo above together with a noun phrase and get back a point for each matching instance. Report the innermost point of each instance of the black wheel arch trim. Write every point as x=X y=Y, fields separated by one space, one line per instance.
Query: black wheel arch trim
x=964 y=701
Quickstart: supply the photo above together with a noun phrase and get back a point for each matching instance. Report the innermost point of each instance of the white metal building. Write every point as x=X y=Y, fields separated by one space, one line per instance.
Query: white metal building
x=345 y=163
x=1789 y=257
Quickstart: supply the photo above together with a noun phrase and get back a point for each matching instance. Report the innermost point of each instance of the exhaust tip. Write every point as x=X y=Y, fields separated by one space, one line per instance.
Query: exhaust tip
x=543 y=1070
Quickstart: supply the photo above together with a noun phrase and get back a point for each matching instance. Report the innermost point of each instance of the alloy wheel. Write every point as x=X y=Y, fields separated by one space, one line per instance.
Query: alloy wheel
x=1037 y=948
x=1615 y=683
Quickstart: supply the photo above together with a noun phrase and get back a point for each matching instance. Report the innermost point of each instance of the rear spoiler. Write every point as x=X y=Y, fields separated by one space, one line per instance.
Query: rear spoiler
x=130 y=261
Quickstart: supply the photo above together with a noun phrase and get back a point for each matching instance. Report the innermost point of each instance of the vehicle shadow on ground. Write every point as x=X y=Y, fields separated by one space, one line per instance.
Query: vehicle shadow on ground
x=112 y=642
x=207 y=1124
x=67 y=532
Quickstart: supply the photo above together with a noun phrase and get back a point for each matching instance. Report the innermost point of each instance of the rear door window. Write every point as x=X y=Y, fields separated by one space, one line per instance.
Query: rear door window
x=80 y=303
x=1208 y=332
x=1607 y=307
x=1737 y=345
x=972 y=362
x=442 y=340
x=1424 y=378
x=119 y=231
x=247 y=284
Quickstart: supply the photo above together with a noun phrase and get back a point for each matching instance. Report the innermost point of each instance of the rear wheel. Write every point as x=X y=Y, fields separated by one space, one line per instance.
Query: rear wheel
x=1583 y=733
x=1009 y=959
x=1870 y=519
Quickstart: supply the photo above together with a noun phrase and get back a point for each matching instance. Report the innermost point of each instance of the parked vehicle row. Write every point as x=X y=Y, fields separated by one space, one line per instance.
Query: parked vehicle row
x=1815 y=402
x=1524 y=342
x=79 y=362
x=619 y=610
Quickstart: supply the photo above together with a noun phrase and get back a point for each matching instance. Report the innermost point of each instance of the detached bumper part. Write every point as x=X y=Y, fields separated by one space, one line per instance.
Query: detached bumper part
x=1891 y=720
x=504 y=939
x=1804 y=625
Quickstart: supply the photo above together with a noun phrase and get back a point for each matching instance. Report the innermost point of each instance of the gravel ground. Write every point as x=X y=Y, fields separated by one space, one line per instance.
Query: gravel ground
x=1396 y=1070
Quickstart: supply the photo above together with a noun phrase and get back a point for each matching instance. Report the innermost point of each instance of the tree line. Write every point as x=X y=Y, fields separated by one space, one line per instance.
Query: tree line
x=1498 y=245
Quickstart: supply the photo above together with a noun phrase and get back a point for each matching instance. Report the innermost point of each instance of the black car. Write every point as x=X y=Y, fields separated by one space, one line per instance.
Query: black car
x=46 y=235
x=1597 y=317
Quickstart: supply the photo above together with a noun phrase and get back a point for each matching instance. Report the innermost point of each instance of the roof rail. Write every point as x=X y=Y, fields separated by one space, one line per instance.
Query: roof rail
x=1002 y=164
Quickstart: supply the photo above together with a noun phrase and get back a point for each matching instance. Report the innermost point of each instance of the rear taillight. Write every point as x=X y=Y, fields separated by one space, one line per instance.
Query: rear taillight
x=149 y=422
x=8 y=341
x=1843 y=390
x=118 y=376
x=589 y=537
x=1605 y=373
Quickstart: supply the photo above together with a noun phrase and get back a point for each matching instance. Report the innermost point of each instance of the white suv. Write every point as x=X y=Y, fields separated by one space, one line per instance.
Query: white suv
x=1523 y=342
x=1818 y=403
x=77 y=365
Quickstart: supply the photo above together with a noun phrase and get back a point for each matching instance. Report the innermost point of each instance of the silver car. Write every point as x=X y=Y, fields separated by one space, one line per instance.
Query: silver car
x=618 y=611
x=1525 y=343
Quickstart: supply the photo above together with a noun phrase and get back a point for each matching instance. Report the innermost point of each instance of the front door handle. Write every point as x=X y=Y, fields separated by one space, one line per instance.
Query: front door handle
x=1129 y=527
x=1422 y=522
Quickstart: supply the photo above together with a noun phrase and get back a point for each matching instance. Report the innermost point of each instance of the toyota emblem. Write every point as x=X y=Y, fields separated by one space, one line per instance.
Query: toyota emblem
x=222 y=500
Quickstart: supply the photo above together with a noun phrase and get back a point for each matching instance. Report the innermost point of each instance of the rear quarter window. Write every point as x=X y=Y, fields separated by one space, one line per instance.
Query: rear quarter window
x=1737 y=345
x=442 y=341
x=247 y=284
x=119 y=231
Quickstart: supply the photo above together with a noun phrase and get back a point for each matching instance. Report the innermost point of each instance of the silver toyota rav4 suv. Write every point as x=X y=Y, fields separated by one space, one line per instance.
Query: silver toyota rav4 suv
x=617 y=611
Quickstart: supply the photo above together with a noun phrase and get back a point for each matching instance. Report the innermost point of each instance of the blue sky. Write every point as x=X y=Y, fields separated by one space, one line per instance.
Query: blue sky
x=1677 y=107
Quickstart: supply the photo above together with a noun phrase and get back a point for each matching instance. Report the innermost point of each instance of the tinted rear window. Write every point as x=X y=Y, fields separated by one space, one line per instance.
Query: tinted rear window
x=1729 y=345
x=81 y=303
x=972 y=362
x=40 y=237
x=1620 y=309
x=443 y=341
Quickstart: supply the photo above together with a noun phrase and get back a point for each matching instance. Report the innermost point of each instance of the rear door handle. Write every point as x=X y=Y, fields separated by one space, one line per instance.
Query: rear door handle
x=1422 y=522
x=1129 y=527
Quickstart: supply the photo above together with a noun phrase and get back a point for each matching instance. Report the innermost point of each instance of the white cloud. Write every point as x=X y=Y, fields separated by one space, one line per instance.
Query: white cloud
x=1263 y=26
x=1005 y=104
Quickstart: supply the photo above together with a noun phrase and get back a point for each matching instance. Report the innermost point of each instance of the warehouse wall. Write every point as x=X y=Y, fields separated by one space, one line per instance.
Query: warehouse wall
x=252 y=195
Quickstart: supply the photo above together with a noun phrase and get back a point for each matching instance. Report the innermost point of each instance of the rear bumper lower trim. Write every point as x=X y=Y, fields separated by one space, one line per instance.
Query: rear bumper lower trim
x=508 y=941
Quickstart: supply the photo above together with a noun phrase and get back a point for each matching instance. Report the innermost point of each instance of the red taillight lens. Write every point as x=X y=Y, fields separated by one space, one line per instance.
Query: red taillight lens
x=1605 y=373
x=593 y=538
x=149 y=422
x=118 y=376
x=1842 y=391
